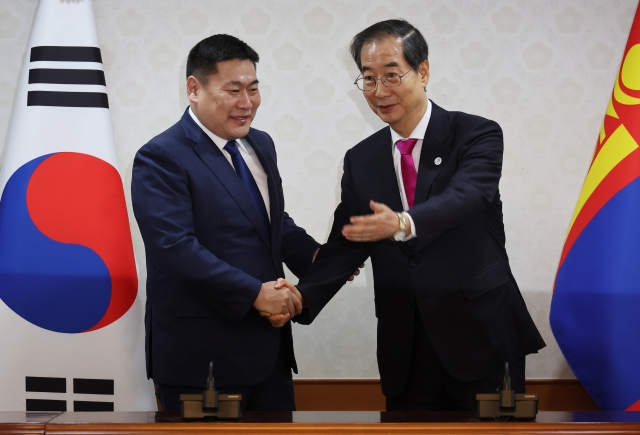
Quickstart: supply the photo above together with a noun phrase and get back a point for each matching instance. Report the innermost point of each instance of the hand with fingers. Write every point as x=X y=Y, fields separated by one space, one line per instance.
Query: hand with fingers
x=278 y=320
x=356 y=273
x=382 y=224
x=280 y=303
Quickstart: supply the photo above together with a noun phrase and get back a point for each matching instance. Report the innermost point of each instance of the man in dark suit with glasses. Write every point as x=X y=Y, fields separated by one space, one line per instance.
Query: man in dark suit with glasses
x=420 y=198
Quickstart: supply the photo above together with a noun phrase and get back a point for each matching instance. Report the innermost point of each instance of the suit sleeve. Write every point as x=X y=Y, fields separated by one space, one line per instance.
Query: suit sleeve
x=472 y=188
x=337 y=259
x=297 y=248
x=163 y=208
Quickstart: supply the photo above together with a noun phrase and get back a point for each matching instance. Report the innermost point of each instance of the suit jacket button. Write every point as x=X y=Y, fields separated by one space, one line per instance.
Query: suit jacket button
x=413 y=263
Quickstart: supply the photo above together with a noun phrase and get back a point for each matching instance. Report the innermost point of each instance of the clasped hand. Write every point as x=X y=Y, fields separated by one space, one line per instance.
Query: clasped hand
x=278 y=301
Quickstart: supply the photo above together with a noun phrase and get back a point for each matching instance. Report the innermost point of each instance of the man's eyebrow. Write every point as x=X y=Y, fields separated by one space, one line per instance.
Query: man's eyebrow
x=366 y=68
x=239 y=83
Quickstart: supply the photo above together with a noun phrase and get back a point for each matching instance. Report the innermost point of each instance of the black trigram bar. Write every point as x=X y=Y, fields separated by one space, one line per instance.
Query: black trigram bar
x=67 y=76
x=67 y=99
x=85 y=406
x=45 y=385
x=93 y=386
x=46 y=405
x=65 y=54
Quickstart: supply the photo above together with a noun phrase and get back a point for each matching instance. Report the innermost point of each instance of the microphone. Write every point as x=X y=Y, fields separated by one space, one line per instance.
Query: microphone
x=507 y=395
x=210 y=395
x=211 y=405
x=506 y=405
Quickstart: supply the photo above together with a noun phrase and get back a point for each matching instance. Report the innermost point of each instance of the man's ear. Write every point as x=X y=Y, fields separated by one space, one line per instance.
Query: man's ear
x=193 y=87
x=423 y=72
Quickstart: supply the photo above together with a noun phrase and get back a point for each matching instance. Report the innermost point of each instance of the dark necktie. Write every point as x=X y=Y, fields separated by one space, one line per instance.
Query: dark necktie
x=408 y=168
x=247 y=179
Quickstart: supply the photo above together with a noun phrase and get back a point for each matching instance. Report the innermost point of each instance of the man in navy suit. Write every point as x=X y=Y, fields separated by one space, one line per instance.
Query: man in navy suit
x=208 y=199
x=449 y=310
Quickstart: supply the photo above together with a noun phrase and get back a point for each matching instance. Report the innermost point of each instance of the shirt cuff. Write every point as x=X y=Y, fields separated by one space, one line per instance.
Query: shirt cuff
x=414 y=233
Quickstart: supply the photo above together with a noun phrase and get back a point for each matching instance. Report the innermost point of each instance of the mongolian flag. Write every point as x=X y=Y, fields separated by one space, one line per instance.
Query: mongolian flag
x=71 y=330
x=595 y=310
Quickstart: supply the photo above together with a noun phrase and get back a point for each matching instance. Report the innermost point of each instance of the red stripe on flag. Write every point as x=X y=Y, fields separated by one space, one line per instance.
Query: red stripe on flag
x=624 y=173
x=611 y=124
x=634 y=407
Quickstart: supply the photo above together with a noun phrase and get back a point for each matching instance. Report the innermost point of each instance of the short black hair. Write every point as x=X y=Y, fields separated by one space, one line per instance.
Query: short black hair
x=414 y=45
x=204 y=56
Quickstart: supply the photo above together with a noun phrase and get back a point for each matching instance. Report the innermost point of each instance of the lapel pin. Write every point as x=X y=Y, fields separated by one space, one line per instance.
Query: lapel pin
x=437 y=161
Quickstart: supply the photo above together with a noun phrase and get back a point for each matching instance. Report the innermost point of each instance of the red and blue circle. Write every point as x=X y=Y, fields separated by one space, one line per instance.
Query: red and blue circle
x=66 y=254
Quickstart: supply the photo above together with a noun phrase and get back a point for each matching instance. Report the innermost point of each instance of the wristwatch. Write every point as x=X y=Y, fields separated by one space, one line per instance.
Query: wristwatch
x=402 y=231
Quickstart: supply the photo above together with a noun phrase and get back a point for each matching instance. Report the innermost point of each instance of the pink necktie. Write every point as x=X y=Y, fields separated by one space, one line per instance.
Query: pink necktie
x=409 y=174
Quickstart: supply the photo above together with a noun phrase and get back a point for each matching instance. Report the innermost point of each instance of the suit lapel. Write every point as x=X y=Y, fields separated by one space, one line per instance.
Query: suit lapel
x=271 y=169
x=211 y=155
x=433 y=147
x=383 y=179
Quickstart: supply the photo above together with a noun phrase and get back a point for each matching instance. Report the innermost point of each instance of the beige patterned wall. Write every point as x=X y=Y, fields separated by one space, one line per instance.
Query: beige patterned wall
x=543 y=69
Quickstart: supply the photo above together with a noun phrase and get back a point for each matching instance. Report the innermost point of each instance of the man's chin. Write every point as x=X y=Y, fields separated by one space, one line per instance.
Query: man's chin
x=389 y=118
x=241 y=132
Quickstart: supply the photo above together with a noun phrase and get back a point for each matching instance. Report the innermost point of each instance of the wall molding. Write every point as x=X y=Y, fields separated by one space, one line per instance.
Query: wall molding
x=366 y=395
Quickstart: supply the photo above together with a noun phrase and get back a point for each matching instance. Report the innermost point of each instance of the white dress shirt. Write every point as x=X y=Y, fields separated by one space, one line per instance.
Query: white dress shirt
x=417 y=133
x=249 y=156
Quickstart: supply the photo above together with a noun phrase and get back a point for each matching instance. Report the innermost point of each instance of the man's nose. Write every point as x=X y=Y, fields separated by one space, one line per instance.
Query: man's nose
x=244 y=102
x=381 y=90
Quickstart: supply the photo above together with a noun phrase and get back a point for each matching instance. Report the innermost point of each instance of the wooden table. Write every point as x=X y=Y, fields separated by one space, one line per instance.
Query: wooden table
x=317 y=422
x=25 y=422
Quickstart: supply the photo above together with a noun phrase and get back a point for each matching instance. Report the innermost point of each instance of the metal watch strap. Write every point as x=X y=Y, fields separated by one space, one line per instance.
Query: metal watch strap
x=402 y=230
x=403 y=222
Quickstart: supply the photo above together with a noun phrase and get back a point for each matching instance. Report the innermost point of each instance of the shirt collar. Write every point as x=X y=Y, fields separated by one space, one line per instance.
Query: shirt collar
x=220 y=143
x=419 y=131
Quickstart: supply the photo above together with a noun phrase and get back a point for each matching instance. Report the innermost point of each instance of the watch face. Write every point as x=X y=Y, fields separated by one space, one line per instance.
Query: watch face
x=399 y=236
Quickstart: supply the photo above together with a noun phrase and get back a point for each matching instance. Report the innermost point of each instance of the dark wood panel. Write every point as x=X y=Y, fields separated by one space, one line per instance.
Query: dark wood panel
x=339 y=395
x=18 y=422
x=21 y=428
x=561 y=395
x=366 y=395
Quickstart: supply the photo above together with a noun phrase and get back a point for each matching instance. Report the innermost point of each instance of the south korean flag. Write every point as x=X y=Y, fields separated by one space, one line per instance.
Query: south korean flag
x=71 y=328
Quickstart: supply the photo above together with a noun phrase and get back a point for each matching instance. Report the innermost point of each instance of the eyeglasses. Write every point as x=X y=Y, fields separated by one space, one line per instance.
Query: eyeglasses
x=390 y=80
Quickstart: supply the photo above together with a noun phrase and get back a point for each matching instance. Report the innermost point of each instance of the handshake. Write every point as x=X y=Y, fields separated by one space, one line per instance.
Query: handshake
x=279 y=301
